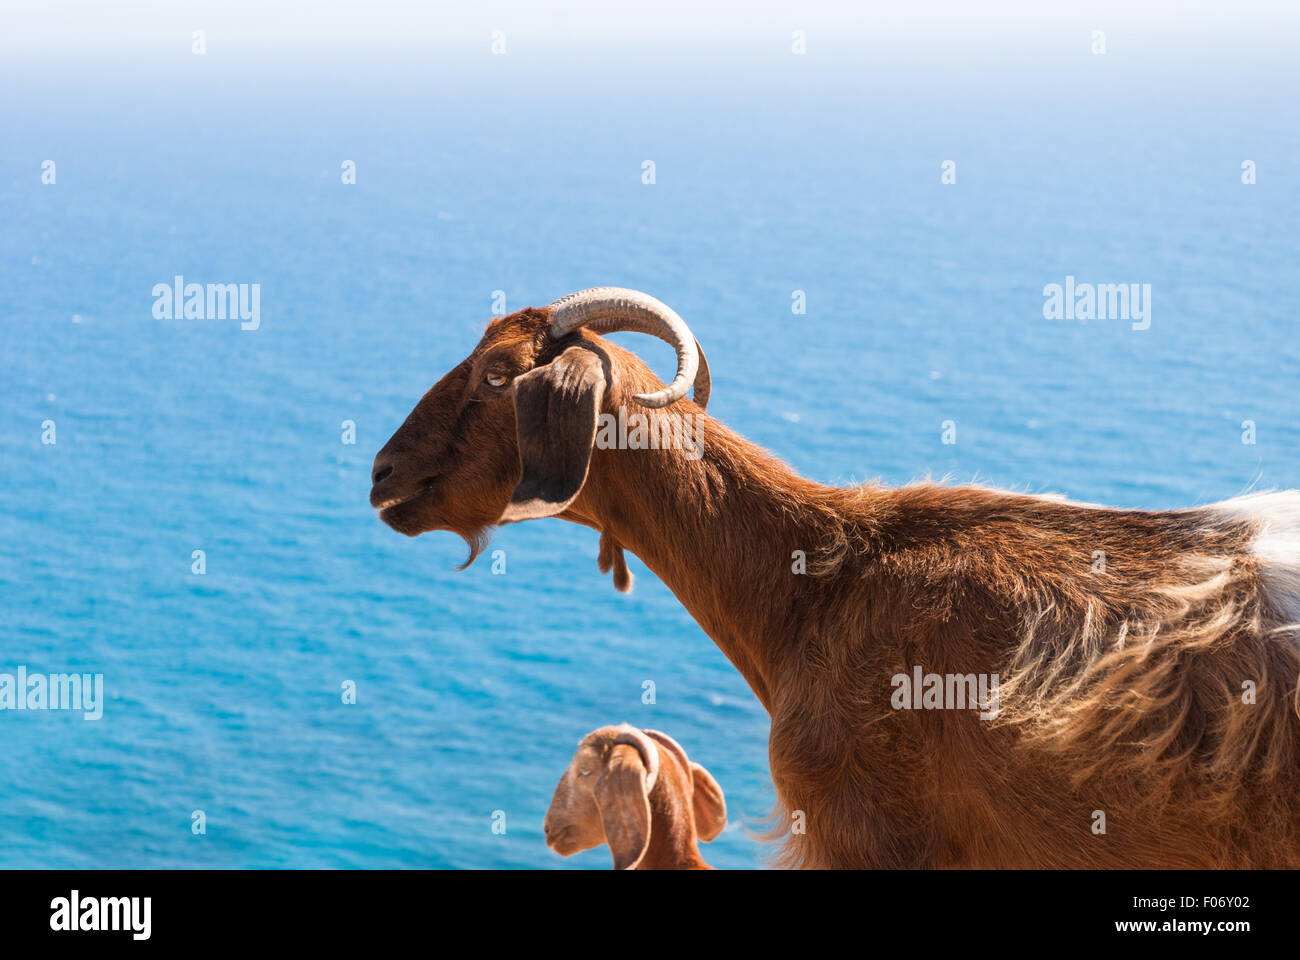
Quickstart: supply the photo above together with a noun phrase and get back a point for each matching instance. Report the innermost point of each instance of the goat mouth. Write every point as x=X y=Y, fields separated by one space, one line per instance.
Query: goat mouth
x=560 y=843
x=426 y=485
x=391 y=502
x=409 y=514
x=388 y=504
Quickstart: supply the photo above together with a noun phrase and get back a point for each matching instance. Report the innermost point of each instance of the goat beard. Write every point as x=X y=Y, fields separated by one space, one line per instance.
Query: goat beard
x=477 y=541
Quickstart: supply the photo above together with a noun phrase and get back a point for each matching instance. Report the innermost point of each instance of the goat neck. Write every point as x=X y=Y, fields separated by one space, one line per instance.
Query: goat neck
x=721 y=530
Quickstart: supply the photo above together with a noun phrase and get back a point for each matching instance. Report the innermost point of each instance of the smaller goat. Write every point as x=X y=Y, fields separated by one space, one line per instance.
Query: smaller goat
x=637 y=791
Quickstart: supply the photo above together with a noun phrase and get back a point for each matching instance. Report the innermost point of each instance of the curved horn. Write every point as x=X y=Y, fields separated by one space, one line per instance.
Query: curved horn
x=673 y=746
x=649 y=755
x=700 y=392
x=611 y=309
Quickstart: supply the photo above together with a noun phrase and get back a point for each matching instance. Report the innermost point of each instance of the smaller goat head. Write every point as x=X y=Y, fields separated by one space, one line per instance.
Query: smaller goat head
x=507 y=435
x=605 y=796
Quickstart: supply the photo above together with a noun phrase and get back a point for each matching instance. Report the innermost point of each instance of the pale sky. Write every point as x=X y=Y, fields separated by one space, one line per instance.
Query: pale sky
x=103 y=28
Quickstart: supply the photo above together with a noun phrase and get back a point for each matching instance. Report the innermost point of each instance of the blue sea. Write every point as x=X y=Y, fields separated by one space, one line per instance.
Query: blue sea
x=774 y=173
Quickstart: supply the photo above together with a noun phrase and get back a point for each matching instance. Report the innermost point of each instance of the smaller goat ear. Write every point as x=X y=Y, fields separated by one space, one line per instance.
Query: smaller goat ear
x=556 y=409
x=709 y=804
x=624 y=806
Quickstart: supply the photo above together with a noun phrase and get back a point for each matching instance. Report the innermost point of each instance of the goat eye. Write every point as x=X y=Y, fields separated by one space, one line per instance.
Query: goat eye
x=496 y=379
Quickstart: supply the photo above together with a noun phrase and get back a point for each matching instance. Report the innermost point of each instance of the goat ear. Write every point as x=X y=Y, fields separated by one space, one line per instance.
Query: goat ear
x=709 y=803
x=624 y=806
x=556 y=409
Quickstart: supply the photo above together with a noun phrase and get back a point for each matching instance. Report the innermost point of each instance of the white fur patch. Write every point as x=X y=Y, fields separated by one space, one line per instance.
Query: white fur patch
x=1276 y=544
x=1067 y=501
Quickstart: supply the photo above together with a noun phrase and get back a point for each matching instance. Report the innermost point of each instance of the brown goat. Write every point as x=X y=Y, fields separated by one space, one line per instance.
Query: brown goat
x=1146 y=661
x=637 y=791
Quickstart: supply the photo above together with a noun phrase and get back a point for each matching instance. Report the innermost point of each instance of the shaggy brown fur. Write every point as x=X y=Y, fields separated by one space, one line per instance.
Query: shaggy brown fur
x=1121 y=691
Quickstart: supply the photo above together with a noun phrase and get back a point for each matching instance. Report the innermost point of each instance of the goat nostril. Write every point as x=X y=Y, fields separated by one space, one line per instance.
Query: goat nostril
x=381 y=473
